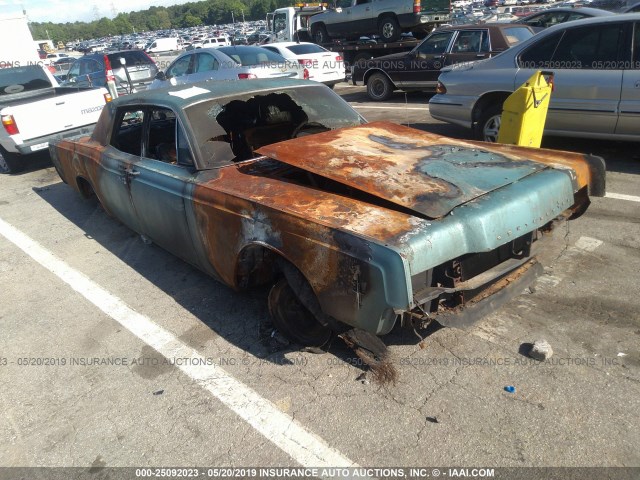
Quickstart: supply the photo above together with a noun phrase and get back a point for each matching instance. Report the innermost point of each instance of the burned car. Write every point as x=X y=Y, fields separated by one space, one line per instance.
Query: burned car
x=357 y=226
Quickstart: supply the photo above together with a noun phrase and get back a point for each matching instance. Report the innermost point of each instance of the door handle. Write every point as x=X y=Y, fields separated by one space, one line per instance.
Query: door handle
x=637 y=85
x=133 y=173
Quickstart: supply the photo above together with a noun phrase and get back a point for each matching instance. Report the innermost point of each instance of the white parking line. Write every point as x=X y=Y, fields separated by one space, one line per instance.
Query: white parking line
x=279 y=428
x=622 y=196
x=422 y=109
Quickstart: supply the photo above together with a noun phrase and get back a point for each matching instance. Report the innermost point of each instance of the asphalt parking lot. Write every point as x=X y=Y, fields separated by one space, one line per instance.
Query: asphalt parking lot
x=115 y=353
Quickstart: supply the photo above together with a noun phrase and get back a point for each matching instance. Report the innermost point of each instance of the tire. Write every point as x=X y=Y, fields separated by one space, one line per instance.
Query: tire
x=10 y=162
x=379 y=87
x=293 y=319
x=389 y=29
x=319 y=34
x=488 y=124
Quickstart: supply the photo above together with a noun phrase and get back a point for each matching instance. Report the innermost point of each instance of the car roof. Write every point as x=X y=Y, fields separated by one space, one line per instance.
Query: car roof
x=607 y=18
x=476 y=26
x=287 y=44
x=208 y=90
x=595 y=12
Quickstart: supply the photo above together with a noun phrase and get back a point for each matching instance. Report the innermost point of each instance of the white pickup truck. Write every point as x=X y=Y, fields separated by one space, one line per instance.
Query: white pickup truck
x=35 y=109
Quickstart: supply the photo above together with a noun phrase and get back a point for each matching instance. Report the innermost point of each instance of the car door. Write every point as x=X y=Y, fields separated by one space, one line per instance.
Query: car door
x=629 y=119
x=339 y=22
x=178 y=72
x=360 y=17
x=421 y=67
x=86 y=72
x=117 y=163
x=204 y=67
x=161 y=182
x=587 y=82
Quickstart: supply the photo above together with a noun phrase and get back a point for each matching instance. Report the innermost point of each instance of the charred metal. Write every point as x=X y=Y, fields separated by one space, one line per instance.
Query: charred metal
x=355 y=225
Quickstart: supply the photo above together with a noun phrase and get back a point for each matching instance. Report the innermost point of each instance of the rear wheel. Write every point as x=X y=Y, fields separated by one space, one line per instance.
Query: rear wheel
x=389 y=29
x=379 y=87
x=10 y=162
x=488 y=124
x=319 y=34
x=293 y=319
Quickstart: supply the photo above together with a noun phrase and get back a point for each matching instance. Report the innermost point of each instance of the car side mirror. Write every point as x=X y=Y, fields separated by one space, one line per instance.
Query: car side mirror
x=161 y=76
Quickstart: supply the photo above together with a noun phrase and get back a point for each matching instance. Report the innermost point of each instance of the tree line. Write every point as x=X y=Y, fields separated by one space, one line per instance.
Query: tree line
x=193 y=14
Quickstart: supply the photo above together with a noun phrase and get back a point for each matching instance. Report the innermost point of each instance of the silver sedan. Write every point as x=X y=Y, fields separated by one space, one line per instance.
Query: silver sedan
x=596 y=63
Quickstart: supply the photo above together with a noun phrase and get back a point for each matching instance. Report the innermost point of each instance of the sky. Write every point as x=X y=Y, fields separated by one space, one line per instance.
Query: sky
x=62 y=11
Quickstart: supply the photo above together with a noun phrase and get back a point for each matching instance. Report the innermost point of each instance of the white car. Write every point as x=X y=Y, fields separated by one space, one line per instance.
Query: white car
x=226 y=63
x=321 y=64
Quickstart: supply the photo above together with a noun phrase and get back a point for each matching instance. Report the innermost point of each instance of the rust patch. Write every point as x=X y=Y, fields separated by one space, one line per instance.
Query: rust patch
x=419 y=171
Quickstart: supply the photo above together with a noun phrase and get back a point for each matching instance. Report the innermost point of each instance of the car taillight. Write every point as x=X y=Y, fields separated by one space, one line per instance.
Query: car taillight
x=416 y=6
x=305 y=74
x=338 y=58
x=305 y=62
x=440 y=88
x=10 y=125
x=244 y=76
x=108 y=70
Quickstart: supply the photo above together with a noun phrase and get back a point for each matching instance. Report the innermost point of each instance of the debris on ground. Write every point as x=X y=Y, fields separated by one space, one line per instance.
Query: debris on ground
x=510 y=389
x=159 y=392
x=362 y=378
x=372 y=351
x=433 y=419
x=541 y=350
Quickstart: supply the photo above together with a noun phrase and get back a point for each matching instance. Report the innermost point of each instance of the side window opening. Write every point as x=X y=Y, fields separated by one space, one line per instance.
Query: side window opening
x=540 y=54
x=467 y=42
x=434 y=44
x=180 y=67
x=205 y=63
x=127 y=136
x=589 y=48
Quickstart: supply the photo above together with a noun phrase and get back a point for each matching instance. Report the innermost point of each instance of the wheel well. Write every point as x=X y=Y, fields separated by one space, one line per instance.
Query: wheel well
x=370 y=72
x=384 y=15
x=256 y=265
x=487 y=99
x=85 y=188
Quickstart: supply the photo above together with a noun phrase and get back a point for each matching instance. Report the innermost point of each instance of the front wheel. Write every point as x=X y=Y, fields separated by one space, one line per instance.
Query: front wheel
x=293 y=319
x=488 y=124
x=379 y=87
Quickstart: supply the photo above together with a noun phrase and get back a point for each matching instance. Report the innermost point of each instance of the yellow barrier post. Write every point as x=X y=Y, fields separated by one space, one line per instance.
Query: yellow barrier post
x=525 y=111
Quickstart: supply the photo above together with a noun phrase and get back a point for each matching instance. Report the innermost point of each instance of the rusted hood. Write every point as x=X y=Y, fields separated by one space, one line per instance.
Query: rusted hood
x=425 y=173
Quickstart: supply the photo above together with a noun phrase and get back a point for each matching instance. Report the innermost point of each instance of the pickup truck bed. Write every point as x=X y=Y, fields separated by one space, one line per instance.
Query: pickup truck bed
x=35 y=110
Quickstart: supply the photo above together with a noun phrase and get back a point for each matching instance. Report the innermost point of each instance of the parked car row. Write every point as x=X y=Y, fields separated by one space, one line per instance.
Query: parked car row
x=419 y=69
x=134 y=70
x=596 y=67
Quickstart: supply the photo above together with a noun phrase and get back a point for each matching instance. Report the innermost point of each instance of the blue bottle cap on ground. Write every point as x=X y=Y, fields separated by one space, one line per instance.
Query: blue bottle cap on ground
x=510 y=389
